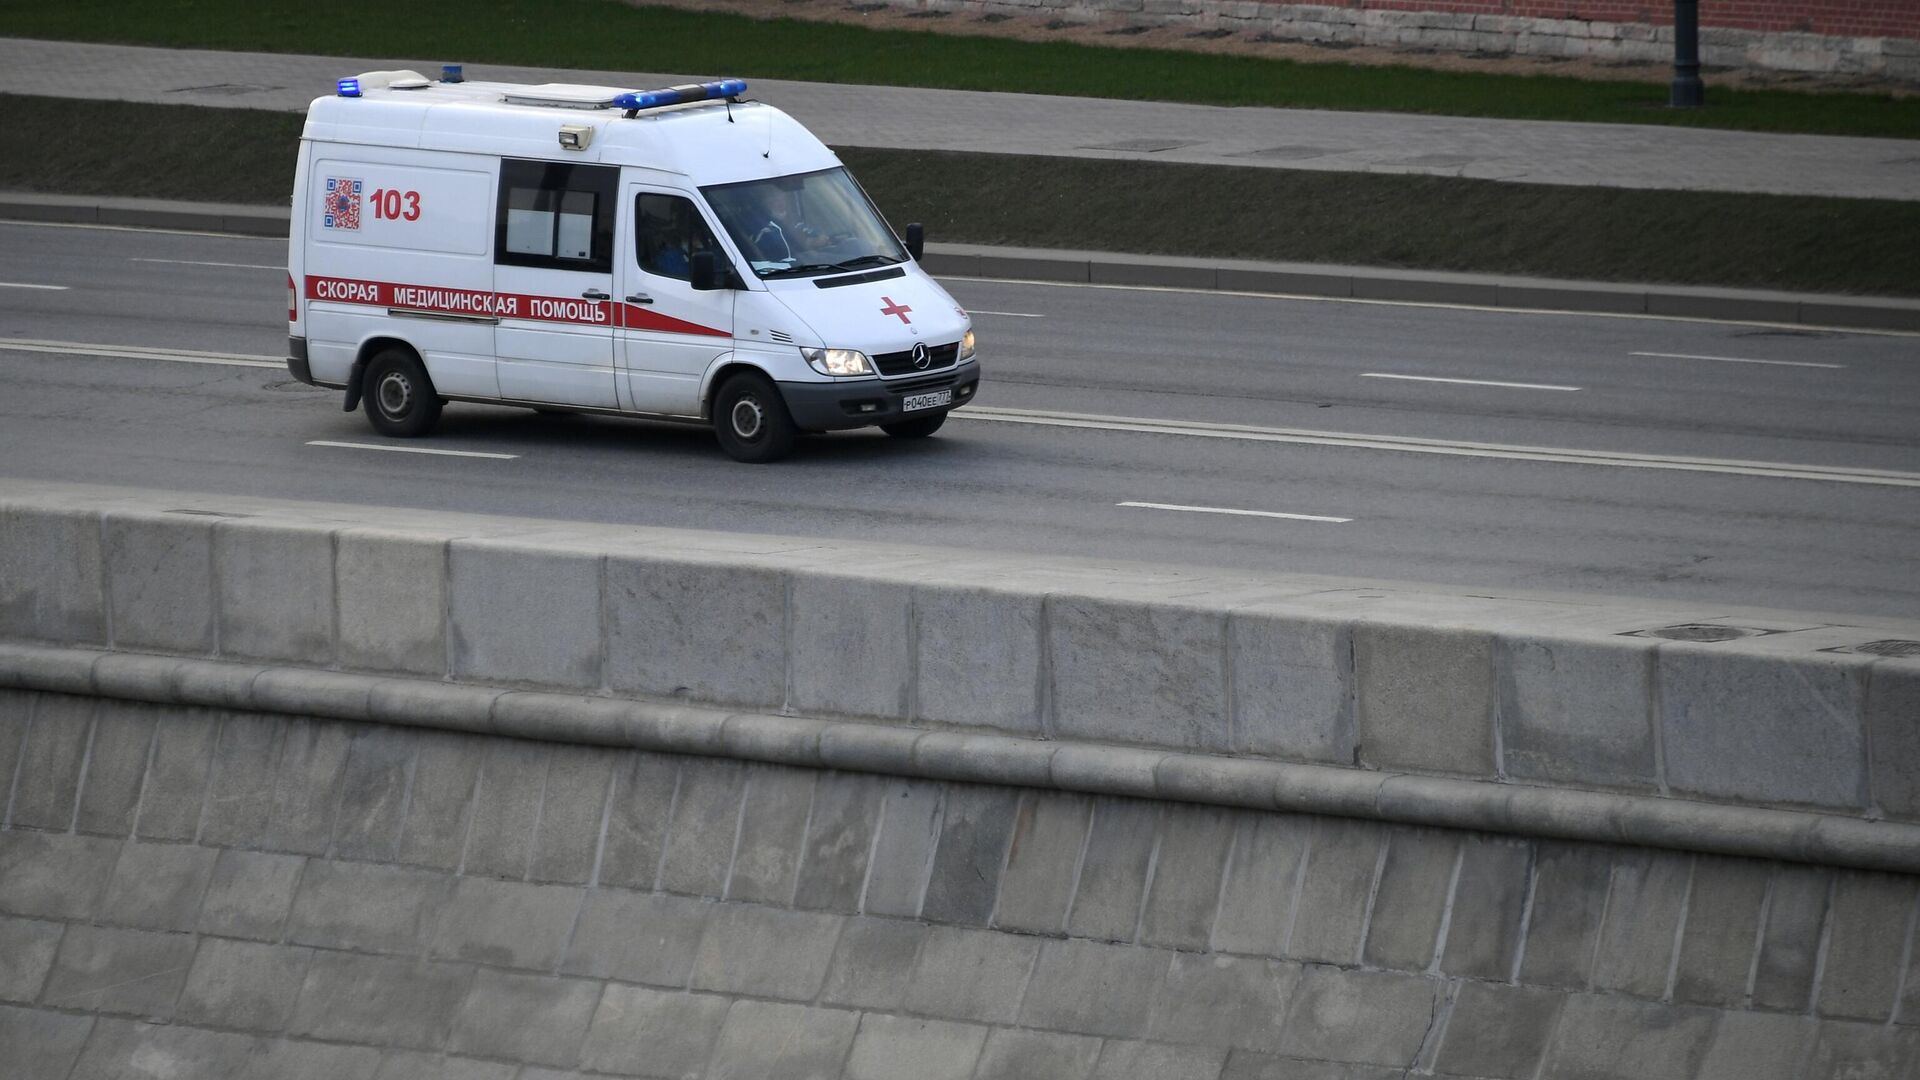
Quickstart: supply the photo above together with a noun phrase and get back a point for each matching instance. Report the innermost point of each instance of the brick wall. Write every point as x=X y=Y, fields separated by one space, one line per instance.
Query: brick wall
x=1843 y=18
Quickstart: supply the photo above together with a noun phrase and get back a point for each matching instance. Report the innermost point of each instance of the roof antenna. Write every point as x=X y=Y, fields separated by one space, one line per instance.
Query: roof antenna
x=769 y=151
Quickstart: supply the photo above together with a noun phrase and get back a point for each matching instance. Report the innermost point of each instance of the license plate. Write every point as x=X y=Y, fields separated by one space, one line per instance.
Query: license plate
x=916 y=402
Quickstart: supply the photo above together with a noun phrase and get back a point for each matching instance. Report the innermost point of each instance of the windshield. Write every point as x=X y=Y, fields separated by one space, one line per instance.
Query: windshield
x=814 y=223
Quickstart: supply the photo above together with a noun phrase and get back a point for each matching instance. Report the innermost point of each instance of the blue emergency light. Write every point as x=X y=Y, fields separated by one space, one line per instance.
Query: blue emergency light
x=680 y=95
x=349 y=87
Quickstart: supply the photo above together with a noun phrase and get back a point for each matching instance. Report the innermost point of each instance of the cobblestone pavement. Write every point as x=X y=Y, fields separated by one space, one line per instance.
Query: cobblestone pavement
x=1612 y=155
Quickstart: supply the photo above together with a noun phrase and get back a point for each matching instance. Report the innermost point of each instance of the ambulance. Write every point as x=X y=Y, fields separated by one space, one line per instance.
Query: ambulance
x=678 y=254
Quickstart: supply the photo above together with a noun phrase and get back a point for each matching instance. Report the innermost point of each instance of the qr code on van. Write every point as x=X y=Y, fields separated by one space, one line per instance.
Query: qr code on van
x=343 y=203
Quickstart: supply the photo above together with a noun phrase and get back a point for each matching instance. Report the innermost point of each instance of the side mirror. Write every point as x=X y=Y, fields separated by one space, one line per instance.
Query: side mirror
x=704 y=275
x=916 y=241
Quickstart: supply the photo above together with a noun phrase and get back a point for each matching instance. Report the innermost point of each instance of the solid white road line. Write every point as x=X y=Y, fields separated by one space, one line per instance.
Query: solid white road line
x=411 y=449
x=198 y=262
x=1235 y=513
x=25 y=285
x=280 y=240
x=1736 y=360
x=1008 y=314
x=138 y=352
x=1423 y=304
x=1401 y=444
x=1466 y=382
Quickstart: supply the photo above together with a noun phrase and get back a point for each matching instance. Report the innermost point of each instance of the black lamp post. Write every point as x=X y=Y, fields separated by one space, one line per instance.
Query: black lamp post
x=1688 y=91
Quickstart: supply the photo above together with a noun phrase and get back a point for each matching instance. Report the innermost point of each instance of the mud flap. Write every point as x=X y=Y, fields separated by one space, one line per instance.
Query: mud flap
x=355 y=379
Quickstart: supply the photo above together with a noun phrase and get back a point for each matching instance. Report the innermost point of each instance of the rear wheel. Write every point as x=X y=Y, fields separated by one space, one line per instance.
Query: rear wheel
x=399 y=398
x=915 y=429
x=751 y=420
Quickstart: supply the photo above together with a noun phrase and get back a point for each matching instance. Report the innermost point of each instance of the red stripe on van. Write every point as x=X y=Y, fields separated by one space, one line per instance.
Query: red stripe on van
x=639 y=318
x=498 y=305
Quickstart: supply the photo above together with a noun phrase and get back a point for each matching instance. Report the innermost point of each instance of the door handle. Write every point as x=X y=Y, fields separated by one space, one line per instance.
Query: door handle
x=593 y=294
x=639 y=298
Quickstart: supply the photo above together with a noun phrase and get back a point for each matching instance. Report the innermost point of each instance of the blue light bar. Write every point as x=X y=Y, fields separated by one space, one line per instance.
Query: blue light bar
x=349 y=87
x=680 y=95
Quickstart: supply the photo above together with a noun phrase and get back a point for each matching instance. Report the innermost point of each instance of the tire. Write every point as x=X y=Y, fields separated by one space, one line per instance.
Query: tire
x=915 y=429
x=398 y=396
x=751 y=421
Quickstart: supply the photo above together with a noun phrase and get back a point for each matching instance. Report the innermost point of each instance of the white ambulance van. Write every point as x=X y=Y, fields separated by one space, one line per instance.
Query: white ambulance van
x=676 y=254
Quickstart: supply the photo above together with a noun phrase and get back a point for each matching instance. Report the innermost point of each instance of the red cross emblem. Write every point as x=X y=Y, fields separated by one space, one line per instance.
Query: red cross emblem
x=893 y=308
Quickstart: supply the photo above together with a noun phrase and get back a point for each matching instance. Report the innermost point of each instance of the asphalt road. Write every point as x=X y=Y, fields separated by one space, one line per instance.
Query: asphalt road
x=1223 y=403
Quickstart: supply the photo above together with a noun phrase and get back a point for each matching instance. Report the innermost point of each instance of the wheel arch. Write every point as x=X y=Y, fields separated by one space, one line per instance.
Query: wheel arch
x=371 y=346
x=726 y=368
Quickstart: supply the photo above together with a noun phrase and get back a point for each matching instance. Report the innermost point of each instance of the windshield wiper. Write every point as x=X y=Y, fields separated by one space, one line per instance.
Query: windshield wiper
x=828 y=268
x=865 y=260
x=803 y=268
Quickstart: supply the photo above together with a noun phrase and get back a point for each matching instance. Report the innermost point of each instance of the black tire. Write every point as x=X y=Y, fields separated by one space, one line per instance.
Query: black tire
x=398 y=396
x=751 y=421
x=918 y=428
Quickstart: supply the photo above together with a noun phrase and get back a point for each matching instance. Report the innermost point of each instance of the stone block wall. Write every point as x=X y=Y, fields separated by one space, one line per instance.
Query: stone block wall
x=1840 y=37
x=193 y=892
x=1785 y=710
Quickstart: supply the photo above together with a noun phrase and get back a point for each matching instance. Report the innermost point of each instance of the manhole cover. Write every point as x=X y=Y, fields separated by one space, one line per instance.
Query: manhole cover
x=1126 y=31
x=1699 y=632
x=1892 y=647
x=207 y=513
x=1143 y=146
x=291 y=386
x=1211 y=35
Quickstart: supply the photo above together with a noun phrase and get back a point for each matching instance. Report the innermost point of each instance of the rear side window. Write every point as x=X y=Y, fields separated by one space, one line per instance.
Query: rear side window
x=668 y=231
x=555 y=215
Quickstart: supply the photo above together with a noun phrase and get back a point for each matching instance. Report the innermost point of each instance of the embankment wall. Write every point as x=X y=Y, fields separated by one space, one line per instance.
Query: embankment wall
x=299 y=790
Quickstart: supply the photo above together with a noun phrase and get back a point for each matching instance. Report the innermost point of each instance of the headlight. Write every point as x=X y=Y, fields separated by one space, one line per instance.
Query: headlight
x=838 y=361
x=966 y=347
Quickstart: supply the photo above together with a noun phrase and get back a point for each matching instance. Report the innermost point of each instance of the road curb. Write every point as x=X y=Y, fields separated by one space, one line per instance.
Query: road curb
x=1831 y=311
x=1077 y=766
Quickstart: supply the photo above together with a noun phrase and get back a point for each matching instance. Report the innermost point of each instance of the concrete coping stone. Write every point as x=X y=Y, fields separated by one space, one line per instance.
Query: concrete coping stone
x=1088 y=767
x=1319 y=280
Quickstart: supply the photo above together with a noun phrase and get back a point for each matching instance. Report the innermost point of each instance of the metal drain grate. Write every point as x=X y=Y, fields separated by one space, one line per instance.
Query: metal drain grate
x=1896 y=648
x=1143 y=146
x=226 y=89
x=1705 y=632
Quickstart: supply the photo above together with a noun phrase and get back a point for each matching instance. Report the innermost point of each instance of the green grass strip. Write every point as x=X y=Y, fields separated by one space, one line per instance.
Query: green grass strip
x=606 y=34
x=1423 y=222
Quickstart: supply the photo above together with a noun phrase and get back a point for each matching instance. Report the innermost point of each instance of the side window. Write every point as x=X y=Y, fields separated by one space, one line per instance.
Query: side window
x=668 y=230
x=555 y=215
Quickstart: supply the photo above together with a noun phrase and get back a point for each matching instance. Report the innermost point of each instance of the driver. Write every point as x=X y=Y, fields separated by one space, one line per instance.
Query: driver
x=783 y=236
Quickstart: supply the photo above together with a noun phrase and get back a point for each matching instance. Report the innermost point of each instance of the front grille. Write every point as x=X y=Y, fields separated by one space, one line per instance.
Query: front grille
x=901 y=363
x=912 y=386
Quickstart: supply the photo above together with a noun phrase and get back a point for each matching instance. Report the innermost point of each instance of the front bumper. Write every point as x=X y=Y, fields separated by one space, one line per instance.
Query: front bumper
x=856 y=403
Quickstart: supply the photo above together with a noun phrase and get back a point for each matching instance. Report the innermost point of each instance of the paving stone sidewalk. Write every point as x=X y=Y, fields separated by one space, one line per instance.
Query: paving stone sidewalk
x=1610 y=155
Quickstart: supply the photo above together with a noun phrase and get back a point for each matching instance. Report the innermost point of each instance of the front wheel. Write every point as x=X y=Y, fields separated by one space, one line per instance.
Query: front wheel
x=400 y=399
x=915 y=429
x=751 y=421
